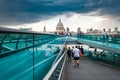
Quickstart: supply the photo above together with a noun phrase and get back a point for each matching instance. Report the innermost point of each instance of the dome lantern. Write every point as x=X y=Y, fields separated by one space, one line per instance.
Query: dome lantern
x=60 y=23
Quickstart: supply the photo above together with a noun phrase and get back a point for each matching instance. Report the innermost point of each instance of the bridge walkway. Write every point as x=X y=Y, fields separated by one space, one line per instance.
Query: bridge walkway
x=91 y=70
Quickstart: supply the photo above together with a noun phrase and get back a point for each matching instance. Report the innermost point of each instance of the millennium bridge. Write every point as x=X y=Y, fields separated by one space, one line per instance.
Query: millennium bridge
x=28 y=55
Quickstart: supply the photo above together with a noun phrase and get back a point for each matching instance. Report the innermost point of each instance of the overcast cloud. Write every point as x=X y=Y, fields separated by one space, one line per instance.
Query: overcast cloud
x=29 y=11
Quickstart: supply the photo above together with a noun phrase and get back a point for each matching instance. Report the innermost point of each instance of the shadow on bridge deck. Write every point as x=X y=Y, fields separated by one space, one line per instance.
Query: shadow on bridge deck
x=91 y=70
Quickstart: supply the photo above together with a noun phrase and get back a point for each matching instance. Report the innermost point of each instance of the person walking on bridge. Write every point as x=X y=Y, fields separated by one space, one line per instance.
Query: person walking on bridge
x=76 y=52
x=82 y=52
x=105 y=36
x=69 y=53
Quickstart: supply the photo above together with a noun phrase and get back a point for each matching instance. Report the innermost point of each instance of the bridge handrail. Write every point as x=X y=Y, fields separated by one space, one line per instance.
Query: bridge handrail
x=112 y=38
x=18 y=31
x=60 y=52
x=10 y=36
x=53 y=68
x=59 y=78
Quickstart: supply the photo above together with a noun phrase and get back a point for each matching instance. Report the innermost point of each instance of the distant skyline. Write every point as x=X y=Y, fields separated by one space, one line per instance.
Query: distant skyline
x=74 y=21
x=96 y=14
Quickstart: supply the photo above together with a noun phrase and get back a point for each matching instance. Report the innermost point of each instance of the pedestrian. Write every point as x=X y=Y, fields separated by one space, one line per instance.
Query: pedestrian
x=105 y=36
x=65 y=47
x=95 y=52
x=82 y=52
x=76 y=52
x=69 y=52
x=72 y=51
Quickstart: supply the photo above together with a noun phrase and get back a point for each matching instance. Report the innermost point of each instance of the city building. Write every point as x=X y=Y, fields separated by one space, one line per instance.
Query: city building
x=109 y=30
x=44 y=29
x=78 y=30
x=60 y=28
x=116 y=29
x=93 y=31
x=67 y=29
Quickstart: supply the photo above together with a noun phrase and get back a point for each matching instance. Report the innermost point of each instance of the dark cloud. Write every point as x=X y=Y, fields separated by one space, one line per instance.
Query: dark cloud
x=28 y=11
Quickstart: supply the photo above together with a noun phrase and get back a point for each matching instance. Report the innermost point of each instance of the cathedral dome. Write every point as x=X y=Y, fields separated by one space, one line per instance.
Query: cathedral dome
x=59 y=23
x=60 y=28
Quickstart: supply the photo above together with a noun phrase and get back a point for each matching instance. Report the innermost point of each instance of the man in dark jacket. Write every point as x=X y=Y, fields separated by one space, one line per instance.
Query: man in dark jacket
x=69 y=54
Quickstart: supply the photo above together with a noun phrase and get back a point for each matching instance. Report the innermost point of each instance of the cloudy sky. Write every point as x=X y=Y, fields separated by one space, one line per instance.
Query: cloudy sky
x=85 y=14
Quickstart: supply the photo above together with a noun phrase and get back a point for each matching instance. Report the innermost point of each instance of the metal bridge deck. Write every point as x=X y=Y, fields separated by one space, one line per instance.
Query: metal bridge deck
x=91 y=70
